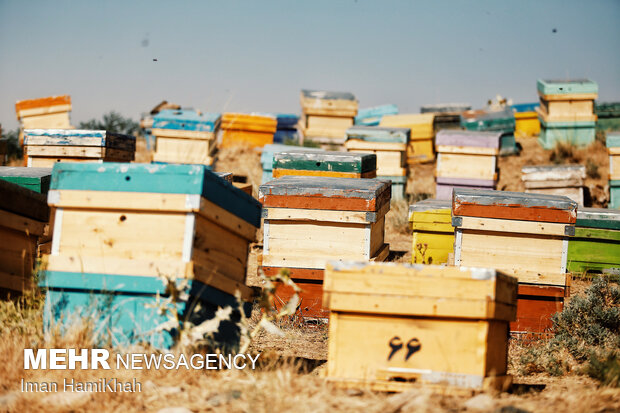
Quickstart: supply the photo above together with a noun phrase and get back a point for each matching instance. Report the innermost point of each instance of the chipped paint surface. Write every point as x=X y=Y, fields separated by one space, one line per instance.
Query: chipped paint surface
x=598 y=218
x=325 y=161
x=78 y=137
x=324 y=187
x=184 y=119
x=553 y=172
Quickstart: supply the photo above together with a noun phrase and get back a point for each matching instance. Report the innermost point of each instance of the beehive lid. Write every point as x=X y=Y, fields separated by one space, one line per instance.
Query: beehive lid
x=24 y=202
x=184 y=119
x=325 y=161
x=553 y=172
x=566 y=87
x=251 y=122
x=157 y=178
x=521 y=206
x=286 y=120
x=500 y=120
x=419 y=290
x=79 y=137
x=378 y=134
x=613 y=140
x=375 y=113
x=35 y=179
x=269 y=150
x=431 y=206
x=525 y=107
x=324 y=94
x=445 y=108
x=341 y=194
x=454 y=137
x=598 y=218
x=26 y=104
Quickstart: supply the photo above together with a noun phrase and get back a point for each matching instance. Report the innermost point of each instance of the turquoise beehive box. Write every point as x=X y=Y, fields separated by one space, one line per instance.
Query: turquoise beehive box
x=124 y=233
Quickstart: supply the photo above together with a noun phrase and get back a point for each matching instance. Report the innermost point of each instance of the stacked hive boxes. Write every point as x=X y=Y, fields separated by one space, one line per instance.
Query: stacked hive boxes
x=596 y=244
x=255 y=130
x=447 y=115
x=613 y=147
x=24 y=216
x=494 y=121
x=123 y=232
x=311 y=220
x=266 y=157
x=607 y=115
x=372 y=116
x=327 y=116
x=45 y=147
x=420 y=146
x=390 y=146
x=564 y=180
x=566 y=112
x=185 y=136
x=44 y=113
x=526 y=120
x=466 y=159
x=392 y=325
x=329 y=164
x=433 y=233
x=286 y=128
x=525 y=235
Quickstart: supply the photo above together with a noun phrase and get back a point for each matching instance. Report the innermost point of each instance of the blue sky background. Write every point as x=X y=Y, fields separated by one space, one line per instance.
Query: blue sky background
x=257 y=55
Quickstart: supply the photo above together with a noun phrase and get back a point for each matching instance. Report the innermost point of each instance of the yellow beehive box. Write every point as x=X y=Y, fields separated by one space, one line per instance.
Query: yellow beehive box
x=44 y=113
x=255 y=130
x=526 y=124
x=433 y=233
x=392 y=325
x=420 y=147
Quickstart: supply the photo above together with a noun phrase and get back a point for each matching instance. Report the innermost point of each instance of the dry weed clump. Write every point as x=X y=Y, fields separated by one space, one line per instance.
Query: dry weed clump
x=397 y=218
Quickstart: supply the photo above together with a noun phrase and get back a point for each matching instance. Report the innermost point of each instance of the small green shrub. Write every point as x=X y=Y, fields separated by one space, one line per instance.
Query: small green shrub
x=564 y=152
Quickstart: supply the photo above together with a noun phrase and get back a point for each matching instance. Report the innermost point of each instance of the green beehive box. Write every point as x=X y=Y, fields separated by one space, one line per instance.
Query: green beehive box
x=567 y=87
x=577 y=133
x=35 y=179
x=596 y=244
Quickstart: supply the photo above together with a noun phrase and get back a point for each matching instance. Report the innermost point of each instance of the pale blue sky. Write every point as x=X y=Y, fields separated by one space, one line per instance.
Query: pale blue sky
x=257 y=55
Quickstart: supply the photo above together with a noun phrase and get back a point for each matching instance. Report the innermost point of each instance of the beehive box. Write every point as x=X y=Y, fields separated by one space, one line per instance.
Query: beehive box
x=390 y=147
x=432 y=325
x=578 y=89
x=447 y=115
x=35 y=179
x=44 y=113
x=420 y=145
x=466 y=159
x=310 y=220
x=185 y=136
x=613 y=147
x=327 y=115
x=433 y=233
x=24 y=217
x=266 y=157
x=596 y=244
x=575 y=133
x=286 y=129
x=525 y=235
x=120 y=229
x=527 y=124
x=607 y=115
x=255 y=130
x=372 y=116
x=325 y=163
x=494 y=121
x=567 y=180
x=45 y=147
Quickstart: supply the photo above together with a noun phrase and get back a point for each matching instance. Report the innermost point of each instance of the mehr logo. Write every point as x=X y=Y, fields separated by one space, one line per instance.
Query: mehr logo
x=63 y=359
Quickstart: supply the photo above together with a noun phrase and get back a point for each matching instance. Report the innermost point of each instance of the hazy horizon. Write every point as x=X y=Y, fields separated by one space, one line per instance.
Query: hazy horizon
x=256 y=56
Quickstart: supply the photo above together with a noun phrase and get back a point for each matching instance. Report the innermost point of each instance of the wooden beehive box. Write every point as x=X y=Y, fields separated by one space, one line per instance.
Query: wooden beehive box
x=251 y=129
x=447 y=115
x=596 y=244
x=24 y=217
x=286 y=131
x=327 y=115
x=613 y=147
x=325 y=163
x=35 y=179
x=580 y=133
x=494 y=121
x=393 y=325
x=45 y=147
x=607 y=115
x=466 y=159
x=120 y=228
x=567 y=180
x=310 y=220
x=44 y=113
x=420 y=145
x=185 y=136
x=527 y=124
x=525 y=235
x=433 y=233
x=372 y=116
x=390 y=146
x=266 y=157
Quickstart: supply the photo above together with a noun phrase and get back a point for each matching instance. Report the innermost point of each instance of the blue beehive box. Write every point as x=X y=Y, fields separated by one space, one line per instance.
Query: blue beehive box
x=372 y=116
x=124 y=232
